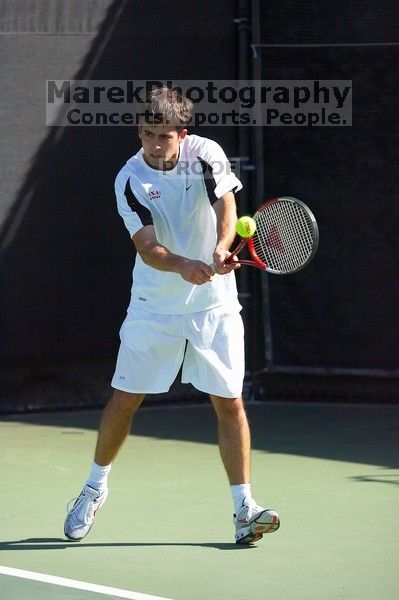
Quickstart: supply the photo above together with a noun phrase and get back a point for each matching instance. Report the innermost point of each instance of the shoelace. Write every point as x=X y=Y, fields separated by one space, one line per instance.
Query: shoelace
x=78 y=502
x=251 y=510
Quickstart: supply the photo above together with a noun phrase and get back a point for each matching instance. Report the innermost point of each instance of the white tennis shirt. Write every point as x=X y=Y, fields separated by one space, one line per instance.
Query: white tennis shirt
x=178 y=203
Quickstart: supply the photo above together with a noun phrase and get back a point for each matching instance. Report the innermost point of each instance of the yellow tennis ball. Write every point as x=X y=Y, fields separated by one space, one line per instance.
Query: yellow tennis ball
x=245 y=227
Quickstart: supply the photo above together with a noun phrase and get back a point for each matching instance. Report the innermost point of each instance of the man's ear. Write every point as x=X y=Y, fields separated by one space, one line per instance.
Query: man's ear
x=182 y=134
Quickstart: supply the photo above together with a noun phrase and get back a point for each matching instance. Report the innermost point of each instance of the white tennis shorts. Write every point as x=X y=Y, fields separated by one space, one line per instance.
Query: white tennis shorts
x=209 y=344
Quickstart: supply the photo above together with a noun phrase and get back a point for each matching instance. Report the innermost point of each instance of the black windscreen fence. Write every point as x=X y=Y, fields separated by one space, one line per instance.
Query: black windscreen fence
x=65 y=257
x=340 y=314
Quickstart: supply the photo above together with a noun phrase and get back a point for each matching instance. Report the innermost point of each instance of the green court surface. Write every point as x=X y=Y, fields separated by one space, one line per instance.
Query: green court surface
x=166 y=530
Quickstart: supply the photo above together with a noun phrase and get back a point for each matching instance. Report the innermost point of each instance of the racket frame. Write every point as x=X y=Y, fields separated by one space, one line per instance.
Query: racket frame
x=249 y=242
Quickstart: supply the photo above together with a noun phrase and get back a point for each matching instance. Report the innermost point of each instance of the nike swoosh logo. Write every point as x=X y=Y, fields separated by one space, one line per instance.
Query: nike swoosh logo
x=187 y=188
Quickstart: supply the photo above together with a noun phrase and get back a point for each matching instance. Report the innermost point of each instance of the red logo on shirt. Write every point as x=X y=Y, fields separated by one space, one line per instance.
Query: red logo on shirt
x=154 y=194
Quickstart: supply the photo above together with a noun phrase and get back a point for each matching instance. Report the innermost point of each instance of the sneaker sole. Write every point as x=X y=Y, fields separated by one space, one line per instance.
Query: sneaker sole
x=71 y=539
x=259 y=529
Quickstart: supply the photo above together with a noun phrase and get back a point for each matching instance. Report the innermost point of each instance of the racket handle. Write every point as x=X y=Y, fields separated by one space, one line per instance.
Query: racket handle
x=234 y=253
x=213 y=266
x=236 y=250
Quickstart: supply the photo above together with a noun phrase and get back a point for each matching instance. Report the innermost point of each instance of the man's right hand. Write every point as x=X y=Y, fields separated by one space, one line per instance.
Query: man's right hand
x=195 y=271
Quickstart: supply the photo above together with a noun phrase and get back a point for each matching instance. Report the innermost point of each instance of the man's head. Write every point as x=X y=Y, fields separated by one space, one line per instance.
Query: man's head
x=167 y=106
x=163 y=127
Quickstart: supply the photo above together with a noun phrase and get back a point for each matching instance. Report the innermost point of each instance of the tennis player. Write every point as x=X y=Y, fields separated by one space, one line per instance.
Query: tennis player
x=176 y=197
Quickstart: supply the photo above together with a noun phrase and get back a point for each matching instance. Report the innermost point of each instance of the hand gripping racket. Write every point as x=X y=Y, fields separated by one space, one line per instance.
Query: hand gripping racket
x=286 y=237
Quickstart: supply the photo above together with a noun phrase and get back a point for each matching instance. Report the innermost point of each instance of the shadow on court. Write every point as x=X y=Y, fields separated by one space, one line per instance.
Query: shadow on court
x=61 y=544
x=366 y=434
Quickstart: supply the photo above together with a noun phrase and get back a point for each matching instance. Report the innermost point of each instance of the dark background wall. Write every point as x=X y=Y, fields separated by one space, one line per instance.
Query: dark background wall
x=66 y=259
x=341 y=312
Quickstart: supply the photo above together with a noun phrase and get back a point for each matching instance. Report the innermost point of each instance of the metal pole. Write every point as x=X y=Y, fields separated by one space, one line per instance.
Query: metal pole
x=258 y=154
x=244 y=136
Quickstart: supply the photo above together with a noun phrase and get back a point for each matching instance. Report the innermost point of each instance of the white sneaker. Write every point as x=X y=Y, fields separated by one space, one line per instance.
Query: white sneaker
x=253 y=521
x=80 y=518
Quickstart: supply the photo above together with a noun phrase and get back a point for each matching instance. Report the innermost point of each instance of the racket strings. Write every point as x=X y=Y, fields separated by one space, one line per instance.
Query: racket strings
x=284 y=237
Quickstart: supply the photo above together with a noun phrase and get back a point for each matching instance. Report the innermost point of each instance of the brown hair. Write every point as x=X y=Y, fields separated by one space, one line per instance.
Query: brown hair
x=168 y=106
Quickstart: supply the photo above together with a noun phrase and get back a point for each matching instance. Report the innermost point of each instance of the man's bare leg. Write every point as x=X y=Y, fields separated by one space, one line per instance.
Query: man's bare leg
x=234 y=438
x=115 y=425
x=252 y=521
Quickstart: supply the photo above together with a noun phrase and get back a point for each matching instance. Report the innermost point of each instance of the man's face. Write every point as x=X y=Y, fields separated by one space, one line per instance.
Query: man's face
x=161 y=145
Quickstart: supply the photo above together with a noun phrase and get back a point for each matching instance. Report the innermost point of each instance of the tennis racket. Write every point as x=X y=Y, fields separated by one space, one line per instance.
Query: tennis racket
x=286 y=237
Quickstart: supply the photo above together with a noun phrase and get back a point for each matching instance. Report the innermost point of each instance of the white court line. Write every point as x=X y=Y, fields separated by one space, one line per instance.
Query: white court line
x=79 y=585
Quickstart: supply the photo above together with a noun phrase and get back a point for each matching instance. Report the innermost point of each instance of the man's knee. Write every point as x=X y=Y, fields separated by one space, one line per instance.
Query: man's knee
x=229 y=408
x=125 y=401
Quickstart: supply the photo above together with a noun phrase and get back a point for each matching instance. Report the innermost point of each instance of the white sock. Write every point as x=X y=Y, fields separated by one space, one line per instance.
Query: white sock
x=241 y=494
x=98 y=477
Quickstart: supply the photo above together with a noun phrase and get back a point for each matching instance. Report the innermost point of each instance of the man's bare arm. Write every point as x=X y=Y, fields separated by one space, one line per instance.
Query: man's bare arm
x=159 y=257
x=226 y=214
